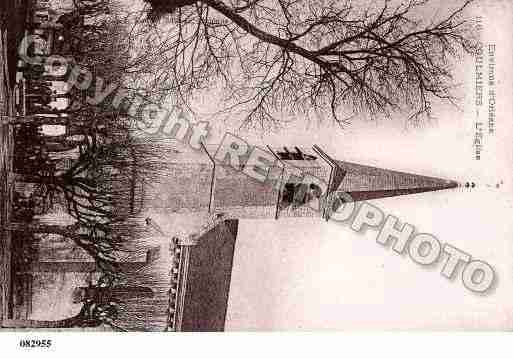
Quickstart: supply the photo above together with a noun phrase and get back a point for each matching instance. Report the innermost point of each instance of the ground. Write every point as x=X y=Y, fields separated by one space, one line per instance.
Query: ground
x=12 y=20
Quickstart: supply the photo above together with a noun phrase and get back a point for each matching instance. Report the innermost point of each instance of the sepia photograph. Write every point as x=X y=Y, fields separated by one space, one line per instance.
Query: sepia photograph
x=255 y=166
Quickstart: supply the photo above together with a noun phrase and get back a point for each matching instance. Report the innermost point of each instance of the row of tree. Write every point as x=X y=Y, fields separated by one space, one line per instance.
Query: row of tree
x=96 y=169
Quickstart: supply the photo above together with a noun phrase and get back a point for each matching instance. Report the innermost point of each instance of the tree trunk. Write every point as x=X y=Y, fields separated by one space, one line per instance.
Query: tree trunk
x=37 y=120
x=70 y=232
x=66 y=231
x=49 y=25
x=29 y=178
x=79 y=320
x=62 y=147
x=261 y=35
x=40 y=77
x=72 y=322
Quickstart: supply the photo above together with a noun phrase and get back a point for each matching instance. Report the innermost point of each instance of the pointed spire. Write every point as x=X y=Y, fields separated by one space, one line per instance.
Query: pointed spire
x=366 y=182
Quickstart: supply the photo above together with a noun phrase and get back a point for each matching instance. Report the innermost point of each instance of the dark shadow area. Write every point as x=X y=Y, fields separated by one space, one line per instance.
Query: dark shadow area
x=13 y=14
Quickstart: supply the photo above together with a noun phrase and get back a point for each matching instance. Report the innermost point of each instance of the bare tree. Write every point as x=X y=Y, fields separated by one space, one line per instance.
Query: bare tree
x=91 y=315
x=276 y=57
x=95 y=170
x=97 y=309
